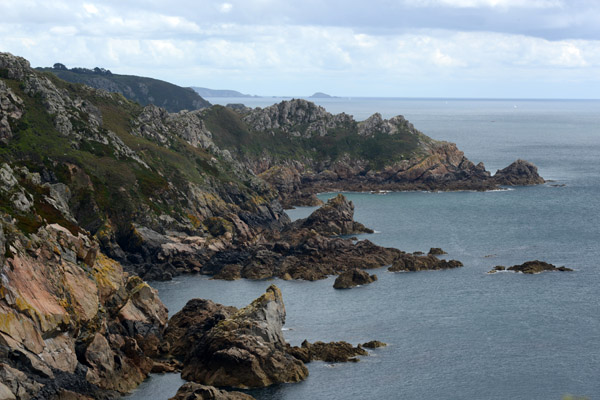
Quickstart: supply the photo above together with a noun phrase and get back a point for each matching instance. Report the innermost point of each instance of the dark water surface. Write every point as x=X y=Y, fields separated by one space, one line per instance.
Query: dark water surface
x=459 y=334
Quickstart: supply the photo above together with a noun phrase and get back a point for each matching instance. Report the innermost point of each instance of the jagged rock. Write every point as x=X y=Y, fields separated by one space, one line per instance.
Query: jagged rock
x=336 y=217
x=195 y=391
x=497 y=268
x=410 y=262
x=186 y=327
x=352 y=278
x=246 y=349
x=531 y=267
x=436 y=251
x=328 y=352
x=297 y=117
x=11 y=110
x=520 y=172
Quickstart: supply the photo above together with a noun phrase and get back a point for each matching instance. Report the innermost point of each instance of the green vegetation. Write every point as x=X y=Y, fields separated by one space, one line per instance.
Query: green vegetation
x=139 y=89
x=230 y=132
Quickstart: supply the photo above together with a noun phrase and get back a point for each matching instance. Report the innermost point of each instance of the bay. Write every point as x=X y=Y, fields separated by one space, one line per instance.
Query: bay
x=461 y=333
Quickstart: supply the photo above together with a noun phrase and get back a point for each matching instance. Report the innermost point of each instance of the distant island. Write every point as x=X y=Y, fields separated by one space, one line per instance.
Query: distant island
x=321 y=95
x=205 y=92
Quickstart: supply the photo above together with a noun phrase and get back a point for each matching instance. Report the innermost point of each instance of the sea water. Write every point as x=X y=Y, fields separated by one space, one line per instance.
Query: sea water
x=462 y=333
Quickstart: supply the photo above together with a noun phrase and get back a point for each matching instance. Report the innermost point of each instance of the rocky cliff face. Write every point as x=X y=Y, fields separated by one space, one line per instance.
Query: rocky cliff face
x=142 y=180
x=70 y=319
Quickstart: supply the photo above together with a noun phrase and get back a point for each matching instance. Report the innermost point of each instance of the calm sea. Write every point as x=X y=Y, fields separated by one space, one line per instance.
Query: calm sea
x=459 y=334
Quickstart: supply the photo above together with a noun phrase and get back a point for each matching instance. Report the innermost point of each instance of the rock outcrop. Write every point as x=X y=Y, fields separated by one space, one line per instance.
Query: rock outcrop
x=519 y=173
x=411 y=262
x=196 y=391
x=71 y=319
x=334 y=218
x=530 y=267
x=300 y=251
x=328 y=352
x=246 y=350
x=352 y=278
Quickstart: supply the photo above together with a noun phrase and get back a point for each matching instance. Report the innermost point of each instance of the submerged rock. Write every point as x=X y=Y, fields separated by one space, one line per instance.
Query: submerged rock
x=352 y=278
x=247 y=349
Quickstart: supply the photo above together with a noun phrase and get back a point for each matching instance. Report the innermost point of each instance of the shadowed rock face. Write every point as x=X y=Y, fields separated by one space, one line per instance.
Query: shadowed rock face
x=352 y=278
x=247 y=349
x=519 y=173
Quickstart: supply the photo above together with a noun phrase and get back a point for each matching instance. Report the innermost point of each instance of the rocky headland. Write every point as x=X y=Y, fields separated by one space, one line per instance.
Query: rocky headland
x=98 y=194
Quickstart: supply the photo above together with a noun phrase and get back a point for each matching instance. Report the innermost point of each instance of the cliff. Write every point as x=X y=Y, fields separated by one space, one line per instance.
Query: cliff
x=140 y=89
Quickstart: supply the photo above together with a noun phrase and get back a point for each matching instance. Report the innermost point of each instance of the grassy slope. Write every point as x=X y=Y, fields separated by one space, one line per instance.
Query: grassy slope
x=121 y=188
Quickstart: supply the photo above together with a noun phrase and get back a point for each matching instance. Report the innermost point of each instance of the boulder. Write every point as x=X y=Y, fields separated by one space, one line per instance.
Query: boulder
x=196 y=391
x=247 y=349
x=374 y=344
x=519 y=173
x=352 y=278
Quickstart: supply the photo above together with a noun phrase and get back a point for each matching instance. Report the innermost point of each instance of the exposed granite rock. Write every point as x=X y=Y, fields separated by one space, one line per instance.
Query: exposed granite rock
x=297 y=117
x=352 y=278
x=303 y=249
x=71 y=319
x=247 y=349
x=196 y=391
x=519 y=173
x=336 y=217
x=411 y=262
x=531 y=267
x=11 y=110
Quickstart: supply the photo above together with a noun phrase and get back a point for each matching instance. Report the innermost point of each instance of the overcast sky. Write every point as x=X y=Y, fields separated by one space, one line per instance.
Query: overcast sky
x=399 y=48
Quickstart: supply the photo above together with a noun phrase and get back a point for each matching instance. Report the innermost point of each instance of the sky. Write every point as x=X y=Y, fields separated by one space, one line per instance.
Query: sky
x=375 y=48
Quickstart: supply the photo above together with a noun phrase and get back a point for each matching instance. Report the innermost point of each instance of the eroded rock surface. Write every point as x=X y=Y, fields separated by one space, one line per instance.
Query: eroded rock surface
x=247 y=349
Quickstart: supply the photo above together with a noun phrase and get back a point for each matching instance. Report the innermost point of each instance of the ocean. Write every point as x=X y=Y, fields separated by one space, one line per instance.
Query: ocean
x=463 y=333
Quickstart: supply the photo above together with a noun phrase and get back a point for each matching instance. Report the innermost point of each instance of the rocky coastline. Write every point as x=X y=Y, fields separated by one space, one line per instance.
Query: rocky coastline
x=99 y=194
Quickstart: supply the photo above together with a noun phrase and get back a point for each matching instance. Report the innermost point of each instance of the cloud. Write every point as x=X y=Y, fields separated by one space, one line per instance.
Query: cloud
x=352 y=48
